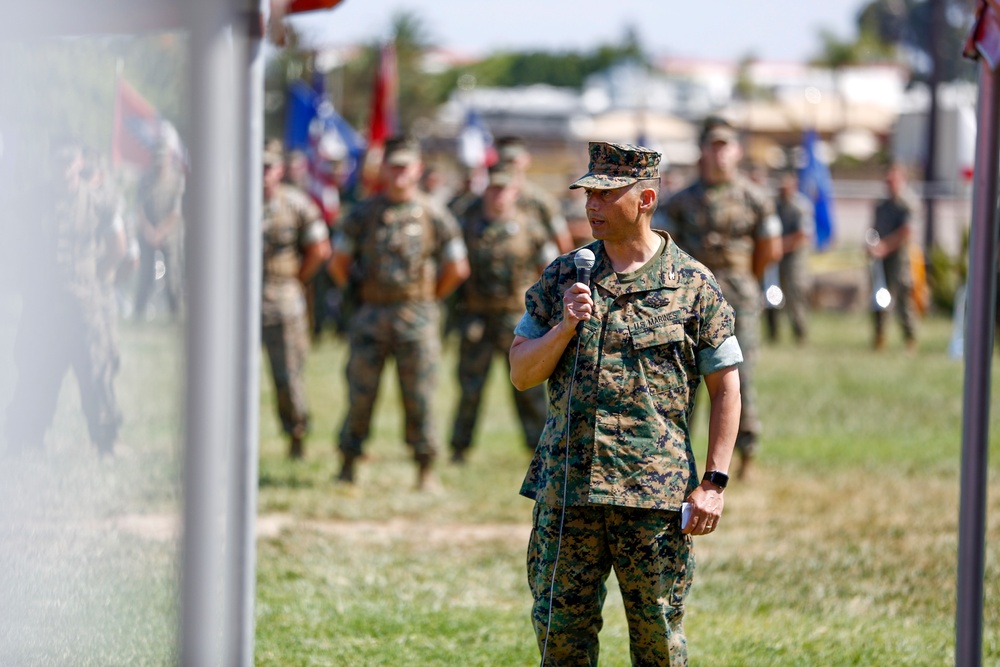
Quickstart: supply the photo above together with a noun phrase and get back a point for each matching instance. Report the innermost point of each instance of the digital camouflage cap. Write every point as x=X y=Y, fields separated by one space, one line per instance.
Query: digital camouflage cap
x=401 y=150
x=716 y=128
x=617 y=165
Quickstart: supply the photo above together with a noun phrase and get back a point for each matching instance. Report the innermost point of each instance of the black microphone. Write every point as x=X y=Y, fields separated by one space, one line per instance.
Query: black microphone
x=584 y=260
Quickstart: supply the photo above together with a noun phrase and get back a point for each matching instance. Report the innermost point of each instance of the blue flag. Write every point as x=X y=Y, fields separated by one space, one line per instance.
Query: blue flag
x=815 y=183
x=300 y=110
x=313 y=126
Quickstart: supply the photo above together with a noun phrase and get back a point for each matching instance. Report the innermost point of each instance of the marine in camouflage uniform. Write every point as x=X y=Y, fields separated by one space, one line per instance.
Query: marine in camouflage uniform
x=159 y=197
x=795 y=212
x=295 y=245
x=508 y=247
x=514 y=155
x=892 y=223
x=406 y=253
x=729 y=225
x=623 y=358
x=64 y=320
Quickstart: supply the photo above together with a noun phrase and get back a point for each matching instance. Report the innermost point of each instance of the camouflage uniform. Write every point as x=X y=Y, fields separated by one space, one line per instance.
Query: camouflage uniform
x=159 y=195
x=631 y=465
x=891 y=214
x=543 y=205
x=291 y=222
x=64 y=326
x=796 y=215
x=719 y=226
x=505 y=255
x=397 y=251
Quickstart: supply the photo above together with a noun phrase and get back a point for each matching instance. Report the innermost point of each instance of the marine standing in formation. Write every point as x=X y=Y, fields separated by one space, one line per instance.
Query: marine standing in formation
x=893 y=218
x=295 y=246
x=406 y=254
x=513 y=153
x=508 y=247
x=795 y=211
x=64 y=321
x=159 y=196
x=728 y=225
x=623 y=357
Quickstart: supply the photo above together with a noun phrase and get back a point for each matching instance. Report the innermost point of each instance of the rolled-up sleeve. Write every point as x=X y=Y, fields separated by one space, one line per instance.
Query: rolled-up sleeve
x=712 y=359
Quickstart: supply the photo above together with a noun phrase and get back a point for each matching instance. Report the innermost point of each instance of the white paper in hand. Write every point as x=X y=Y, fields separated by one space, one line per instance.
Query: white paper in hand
x=685 y=515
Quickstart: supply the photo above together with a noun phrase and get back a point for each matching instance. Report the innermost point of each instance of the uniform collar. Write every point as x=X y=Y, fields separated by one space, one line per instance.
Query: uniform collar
x=665 y=276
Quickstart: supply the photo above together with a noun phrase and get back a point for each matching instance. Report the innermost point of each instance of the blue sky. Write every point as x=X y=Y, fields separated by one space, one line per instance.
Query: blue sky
x=714 y=29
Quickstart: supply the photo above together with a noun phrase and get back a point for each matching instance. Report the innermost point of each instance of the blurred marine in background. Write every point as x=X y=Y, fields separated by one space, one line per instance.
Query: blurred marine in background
x=795 y=211
x=508 y=249
x=891 y=246
x=65 y=320
x=726 y=223
x=296 y=245
x=405 y=254
x=159 y=197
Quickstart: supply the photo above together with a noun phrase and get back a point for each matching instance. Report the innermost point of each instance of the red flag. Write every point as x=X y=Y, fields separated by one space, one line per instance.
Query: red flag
x=137 y=127
x=384 y=122
x=296 y=6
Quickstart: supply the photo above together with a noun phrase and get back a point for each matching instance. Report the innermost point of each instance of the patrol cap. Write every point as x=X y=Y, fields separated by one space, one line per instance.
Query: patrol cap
x=617 y=165
x=511 y=148
x=273 y=153
x=401 y=150
x=717 y=128
x=501 y=174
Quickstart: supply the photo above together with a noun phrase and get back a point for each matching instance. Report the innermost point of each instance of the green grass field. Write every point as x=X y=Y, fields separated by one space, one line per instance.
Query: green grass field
x=842 y=550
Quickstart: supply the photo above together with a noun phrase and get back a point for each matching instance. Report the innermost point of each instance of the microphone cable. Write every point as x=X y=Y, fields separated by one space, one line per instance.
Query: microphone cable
x=562 y=514
x=583 y=259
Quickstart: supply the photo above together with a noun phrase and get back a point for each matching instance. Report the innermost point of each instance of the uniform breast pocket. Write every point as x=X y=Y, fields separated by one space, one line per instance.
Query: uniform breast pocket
x=663 y=356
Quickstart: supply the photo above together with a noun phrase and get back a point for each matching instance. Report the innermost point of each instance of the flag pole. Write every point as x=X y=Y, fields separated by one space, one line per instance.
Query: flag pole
x=984 y=46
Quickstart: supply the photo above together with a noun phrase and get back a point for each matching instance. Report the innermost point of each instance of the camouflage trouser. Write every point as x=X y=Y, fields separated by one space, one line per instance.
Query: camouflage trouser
x=794 y=285
x=287 y=344
x=482 y=338
x=55 y=336
x=413 y=337
x=653 y=562
x=899 y=282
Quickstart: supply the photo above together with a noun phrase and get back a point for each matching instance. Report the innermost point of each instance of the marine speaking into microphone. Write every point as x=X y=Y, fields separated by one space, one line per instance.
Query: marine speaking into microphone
x=614 y=466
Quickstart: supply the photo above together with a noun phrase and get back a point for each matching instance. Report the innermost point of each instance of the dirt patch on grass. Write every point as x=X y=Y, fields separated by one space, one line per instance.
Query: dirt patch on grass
x=397 y=529
x=166 y=527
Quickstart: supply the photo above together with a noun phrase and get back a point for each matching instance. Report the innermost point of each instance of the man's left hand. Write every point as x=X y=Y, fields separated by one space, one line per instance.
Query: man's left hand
x=706 y=509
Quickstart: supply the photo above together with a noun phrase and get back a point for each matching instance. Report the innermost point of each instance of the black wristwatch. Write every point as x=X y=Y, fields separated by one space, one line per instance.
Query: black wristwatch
x=720 y=479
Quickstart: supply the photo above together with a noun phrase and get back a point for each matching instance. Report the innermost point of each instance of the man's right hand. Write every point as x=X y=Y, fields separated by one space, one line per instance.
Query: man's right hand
x=578 y=306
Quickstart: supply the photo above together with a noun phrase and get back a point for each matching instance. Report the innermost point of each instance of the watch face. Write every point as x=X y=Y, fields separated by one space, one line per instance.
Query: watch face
x=720 y=479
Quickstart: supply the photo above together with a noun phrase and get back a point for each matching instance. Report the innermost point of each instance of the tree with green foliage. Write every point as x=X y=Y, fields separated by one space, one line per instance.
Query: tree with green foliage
x=901 y=29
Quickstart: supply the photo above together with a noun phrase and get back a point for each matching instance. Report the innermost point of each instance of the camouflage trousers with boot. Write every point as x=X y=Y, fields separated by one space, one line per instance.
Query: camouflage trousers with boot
x=483 y=337
x=287 y=344
x=653 y=562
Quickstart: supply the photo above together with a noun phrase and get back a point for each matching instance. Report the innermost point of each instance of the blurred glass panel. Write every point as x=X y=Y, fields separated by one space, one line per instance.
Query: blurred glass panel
x=92 y=172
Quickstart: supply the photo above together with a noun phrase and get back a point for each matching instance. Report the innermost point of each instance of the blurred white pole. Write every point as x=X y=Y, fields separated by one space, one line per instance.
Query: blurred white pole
x=981 y=297
x=211 y=399
x=242 y=547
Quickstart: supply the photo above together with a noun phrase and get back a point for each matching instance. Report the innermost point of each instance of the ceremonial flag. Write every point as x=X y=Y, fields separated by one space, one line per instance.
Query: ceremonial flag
x=139 y=129
x=136 y=127
x=475 y=143
x=313 y=126
x=815 y=183
x=476 y=150
x=384 y=120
